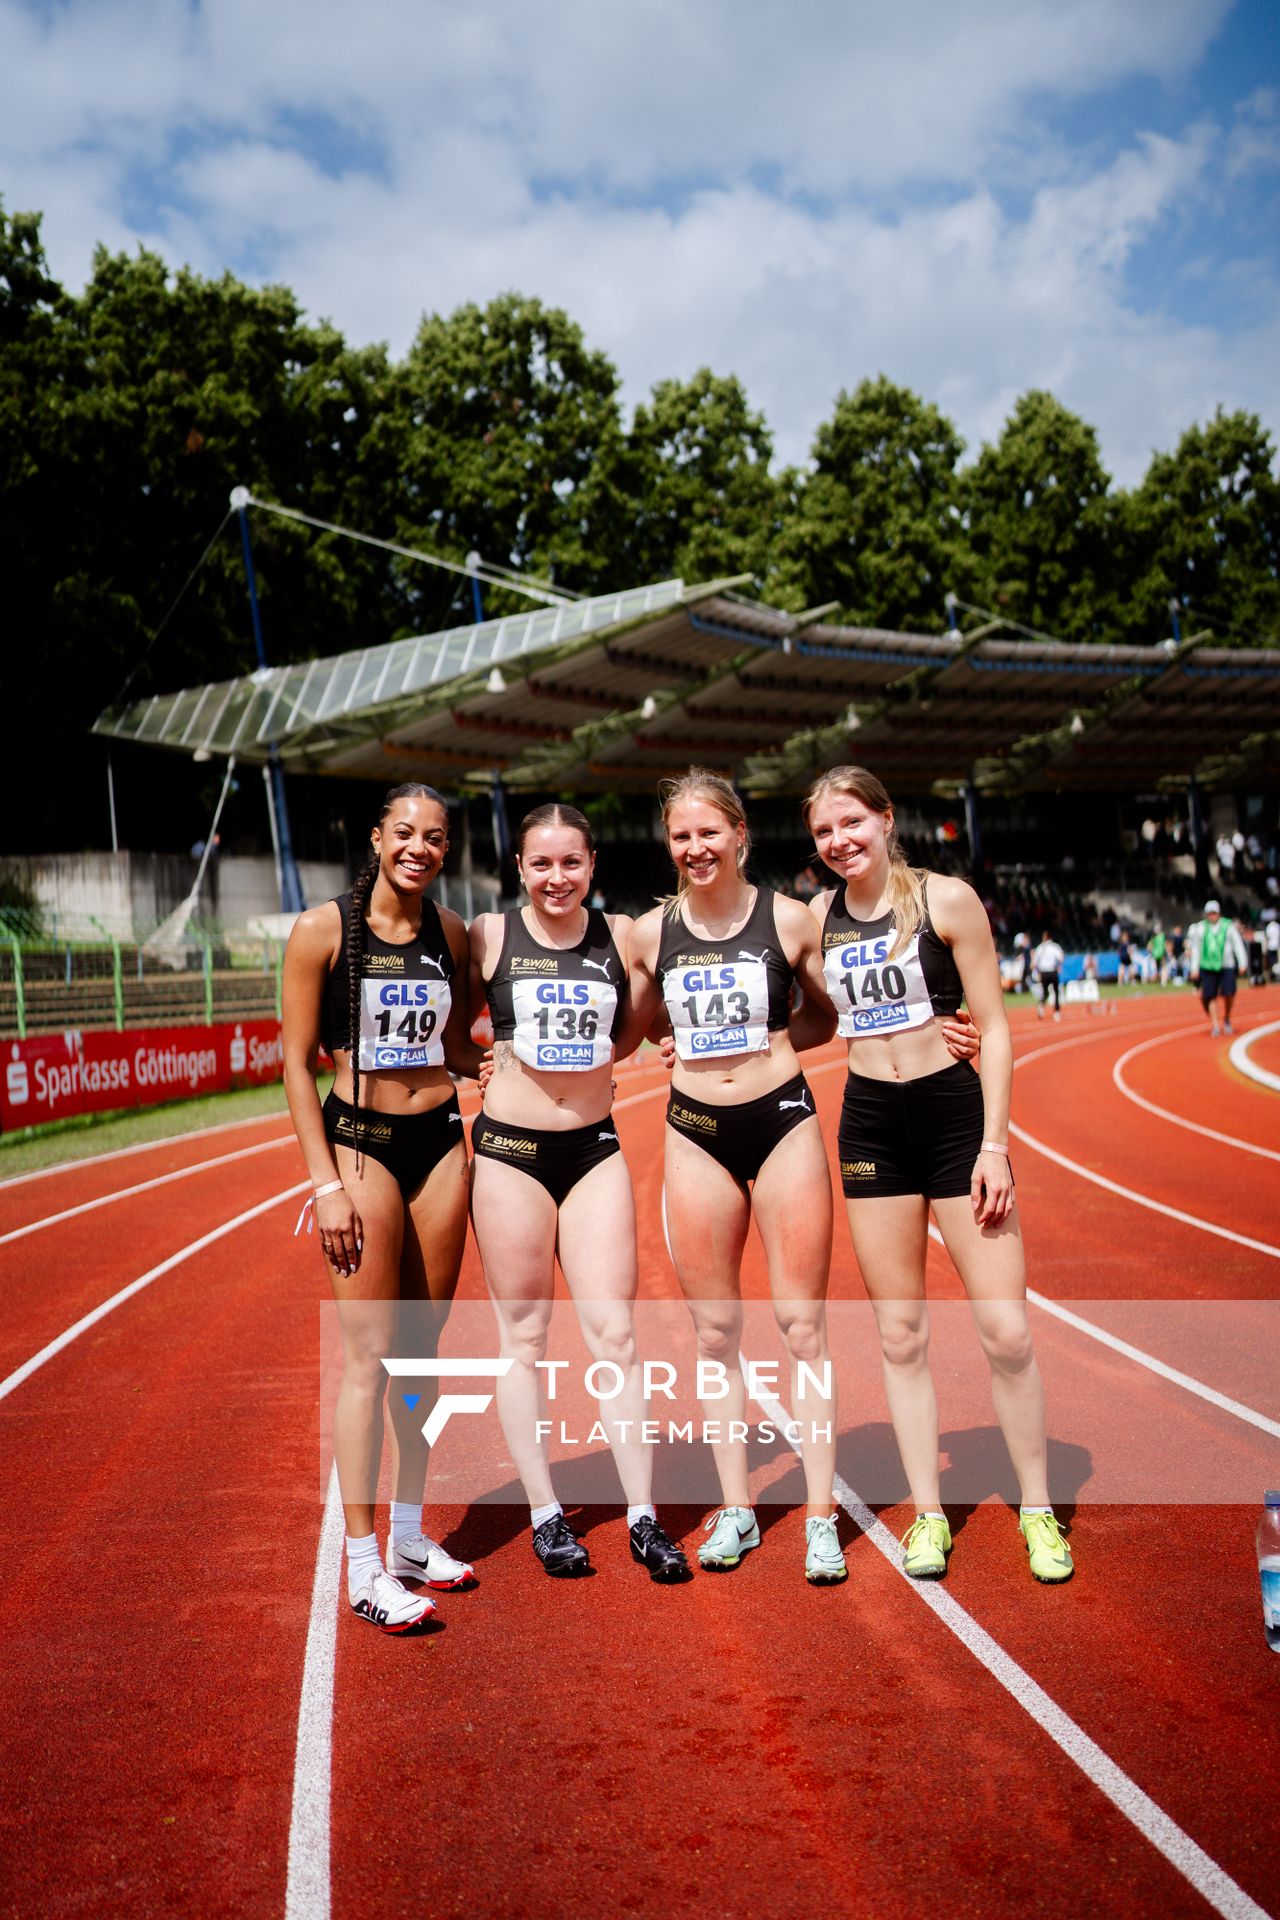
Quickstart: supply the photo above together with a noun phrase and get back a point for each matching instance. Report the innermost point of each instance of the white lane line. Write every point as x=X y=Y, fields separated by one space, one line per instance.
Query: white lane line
x=1125 y=1193
x=307 y=1894
x=1148 y=1360
x=1142 y=1199
x=140 y=1146
x=1176 y=1119
x=1239 y=1056
x=144 y=1186
x=82 y=1325
x=1210 y=1880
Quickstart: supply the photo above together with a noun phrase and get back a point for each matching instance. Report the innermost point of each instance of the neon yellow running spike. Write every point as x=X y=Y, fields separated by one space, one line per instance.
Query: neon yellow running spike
x=927 y=1542
x=1050 y=1555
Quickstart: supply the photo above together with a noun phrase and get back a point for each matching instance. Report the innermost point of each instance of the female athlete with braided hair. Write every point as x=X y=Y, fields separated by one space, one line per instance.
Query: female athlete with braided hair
x=917 y=1130
x=371 y=976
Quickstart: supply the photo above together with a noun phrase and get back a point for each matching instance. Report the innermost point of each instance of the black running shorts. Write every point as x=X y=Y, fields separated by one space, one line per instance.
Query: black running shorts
x=911 y=1136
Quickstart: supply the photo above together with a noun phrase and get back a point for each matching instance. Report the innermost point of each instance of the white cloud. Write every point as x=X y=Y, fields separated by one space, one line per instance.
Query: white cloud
x=803 y=199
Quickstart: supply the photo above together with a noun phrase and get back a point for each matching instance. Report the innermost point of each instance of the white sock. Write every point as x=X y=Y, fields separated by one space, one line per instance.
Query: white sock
x=640 y=1513
x=934 y=1513
x=406 y=1519
x=538 y=1514
x=1035 y=1509
x=363 y=1559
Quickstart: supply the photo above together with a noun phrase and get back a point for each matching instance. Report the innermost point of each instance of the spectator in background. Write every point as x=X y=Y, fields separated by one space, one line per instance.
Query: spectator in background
x=1271 y=940
x=1127 y=969
x=1218 y=956
x=1226 y=853
x=1158 y=948
x=1046 y=964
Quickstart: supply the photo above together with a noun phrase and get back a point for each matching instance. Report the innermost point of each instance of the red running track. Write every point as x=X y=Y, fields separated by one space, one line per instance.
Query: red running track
x=739 y=1745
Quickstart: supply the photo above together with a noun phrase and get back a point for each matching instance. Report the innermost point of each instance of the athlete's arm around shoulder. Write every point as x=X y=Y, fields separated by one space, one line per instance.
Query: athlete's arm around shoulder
x=484 y=947
x=814 y=1021
x=635 y=1025
x=960 y=919
x=643 y=943
x=308 y=960
x=461 y=1054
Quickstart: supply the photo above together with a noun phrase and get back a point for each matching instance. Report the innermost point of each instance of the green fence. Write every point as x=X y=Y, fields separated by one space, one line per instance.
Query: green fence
x=54 y=985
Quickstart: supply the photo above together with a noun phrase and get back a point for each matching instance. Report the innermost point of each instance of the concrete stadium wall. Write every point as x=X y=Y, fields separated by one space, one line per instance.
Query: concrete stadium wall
x=127 y=894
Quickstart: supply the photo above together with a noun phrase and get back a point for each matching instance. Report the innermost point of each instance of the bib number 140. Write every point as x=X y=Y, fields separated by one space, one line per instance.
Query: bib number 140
x=889 y=984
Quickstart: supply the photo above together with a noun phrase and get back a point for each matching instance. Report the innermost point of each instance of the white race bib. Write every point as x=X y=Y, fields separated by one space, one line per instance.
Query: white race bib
x=564 y=1026
x=872 y=993
x=720 y=1009
x=402 y=1024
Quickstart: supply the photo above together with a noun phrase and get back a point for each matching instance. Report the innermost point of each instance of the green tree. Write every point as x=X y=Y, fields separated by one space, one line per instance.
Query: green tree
x=705 y=503
x=1041 y=524
x=876 y=525
x=1204 y=526
x=511 y=441
x=126 y=416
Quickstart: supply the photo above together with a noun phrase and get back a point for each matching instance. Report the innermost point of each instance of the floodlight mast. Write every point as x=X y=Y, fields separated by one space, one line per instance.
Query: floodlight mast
x=288 y=879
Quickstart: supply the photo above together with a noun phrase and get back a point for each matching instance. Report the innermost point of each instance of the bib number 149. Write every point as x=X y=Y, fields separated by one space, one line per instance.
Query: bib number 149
x=415 y=1026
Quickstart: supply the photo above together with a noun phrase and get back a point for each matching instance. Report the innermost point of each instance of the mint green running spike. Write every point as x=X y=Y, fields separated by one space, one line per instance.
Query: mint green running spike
x=733 y=1532
x=823 y=1560
x=1050 y=1555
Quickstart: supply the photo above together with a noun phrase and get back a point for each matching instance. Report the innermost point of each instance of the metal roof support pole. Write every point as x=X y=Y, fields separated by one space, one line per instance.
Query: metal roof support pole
x=971 y=822
x=292 y=899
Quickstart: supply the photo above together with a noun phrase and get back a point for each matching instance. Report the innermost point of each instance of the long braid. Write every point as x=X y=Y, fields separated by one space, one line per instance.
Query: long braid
x=360 y=893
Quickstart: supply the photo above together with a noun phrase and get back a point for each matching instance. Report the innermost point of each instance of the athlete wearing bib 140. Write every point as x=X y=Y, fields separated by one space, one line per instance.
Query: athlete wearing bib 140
x=916 y=1130
x=549 y=1179
x=371 y=977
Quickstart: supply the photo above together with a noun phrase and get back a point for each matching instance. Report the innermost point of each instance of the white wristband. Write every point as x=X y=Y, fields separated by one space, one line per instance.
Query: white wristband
x=332 y=1186
x=990 y=1146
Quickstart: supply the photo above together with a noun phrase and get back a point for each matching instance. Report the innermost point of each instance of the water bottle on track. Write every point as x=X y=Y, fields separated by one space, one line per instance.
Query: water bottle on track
x=1268 y=1543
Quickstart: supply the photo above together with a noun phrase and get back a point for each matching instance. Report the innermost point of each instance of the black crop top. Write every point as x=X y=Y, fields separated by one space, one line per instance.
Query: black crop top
x=562 y=1007
x=405 y=996
x=875 y=994
x=725 y=996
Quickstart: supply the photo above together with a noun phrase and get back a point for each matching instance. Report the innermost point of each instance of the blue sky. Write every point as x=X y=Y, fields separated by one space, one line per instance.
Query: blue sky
x=1076 y=194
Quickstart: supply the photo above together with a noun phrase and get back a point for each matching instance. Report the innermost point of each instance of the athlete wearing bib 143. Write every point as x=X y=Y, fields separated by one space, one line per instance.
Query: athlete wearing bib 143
x=742 y=1141
x=917 y=1132
x=723 y=999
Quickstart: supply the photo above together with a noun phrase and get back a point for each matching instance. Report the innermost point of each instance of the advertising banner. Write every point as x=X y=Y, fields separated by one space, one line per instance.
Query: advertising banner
x=54 y=1076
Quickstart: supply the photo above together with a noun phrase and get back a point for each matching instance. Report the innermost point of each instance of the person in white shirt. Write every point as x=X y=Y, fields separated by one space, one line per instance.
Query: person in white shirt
x=1046 y=965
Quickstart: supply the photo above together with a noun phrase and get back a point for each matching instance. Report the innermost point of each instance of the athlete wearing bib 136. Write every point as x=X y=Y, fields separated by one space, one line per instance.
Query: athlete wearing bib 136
x=917 y=1133
x=370 y=977
x=560 y=1011
x=549 y=1181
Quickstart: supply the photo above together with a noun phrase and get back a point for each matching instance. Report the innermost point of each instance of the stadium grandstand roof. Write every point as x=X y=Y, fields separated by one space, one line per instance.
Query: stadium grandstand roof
x=618 y=690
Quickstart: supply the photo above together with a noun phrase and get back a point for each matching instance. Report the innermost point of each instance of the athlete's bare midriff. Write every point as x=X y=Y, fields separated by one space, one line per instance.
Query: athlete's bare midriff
x=551 y=1102
x=730 y=1081
x=415 y=1092
x=909 y=1055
